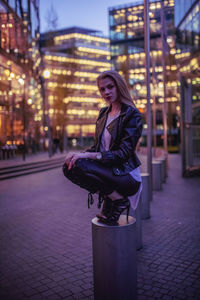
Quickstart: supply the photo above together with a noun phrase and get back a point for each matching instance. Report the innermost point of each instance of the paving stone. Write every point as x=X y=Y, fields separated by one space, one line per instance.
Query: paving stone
x=46 y=247
x=37 y=297
x=167 y=297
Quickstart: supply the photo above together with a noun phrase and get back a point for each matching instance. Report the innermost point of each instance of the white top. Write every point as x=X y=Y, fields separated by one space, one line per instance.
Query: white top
x=104 y=146
x=106 y=137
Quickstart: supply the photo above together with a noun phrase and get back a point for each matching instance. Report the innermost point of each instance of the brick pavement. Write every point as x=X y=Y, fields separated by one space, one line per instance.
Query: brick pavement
x=169 y=264
x=45 y=238
x=18 y=160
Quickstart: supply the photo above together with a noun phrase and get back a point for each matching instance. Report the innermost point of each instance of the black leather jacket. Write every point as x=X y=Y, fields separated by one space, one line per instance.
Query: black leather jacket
x=125 y=132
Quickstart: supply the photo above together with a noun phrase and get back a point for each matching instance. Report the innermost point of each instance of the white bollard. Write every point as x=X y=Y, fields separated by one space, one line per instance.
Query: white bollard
x=145 y=196
x=156 y=176
x=114 y=260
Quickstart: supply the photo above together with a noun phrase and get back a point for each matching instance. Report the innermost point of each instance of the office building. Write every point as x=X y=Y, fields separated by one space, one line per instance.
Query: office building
x=126 y=25
x=72 y=60
x=19 y=63
x=187 y=22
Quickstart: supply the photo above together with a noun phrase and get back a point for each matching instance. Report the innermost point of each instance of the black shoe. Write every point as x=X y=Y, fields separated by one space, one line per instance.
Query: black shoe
x=117 y=208
x=106 y=209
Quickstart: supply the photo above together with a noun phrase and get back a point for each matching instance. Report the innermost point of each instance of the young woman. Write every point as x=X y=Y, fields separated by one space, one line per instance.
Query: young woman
x=111 y=167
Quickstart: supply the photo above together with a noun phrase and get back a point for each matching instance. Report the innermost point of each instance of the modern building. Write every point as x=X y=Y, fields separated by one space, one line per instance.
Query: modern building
x=187 y=22
x=72 y=60
x=19 y=62
x=126 y=25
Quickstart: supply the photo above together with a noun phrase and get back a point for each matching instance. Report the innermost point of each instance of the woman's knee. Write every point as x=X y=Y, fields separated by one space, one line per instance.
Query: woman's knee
x=82 y=165
x=79 y=170
x=65 y=170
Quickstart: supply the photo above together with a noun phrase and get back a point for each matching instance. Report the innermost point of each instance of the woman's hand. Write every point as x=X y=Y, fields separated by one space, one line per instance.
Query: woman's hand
x=71 y=158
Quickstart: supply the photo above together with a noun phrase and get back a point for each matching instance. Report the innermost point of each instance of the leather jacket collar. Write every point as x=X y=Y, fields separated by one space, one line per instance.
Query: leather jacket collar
x=112 y=127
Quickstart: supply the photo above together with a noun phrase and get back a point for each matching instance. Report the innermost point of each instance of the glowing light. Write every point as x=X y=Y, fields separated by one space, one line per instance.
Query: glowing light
x=60 y=38
x=46 y=74
x=7 y=72
x=77 y=61
x=21 y=81
x=81 y=99
x=29 y=101
x=90 y=50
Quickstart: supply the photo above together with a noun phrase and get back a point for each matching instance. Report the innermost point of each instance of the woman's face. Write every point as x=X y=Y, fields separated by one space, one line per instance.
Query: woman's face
x=108 y=90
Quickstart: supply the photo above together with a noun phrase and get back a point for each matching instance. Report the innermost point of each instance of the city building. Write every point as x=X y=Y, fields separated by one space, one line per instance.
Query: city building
x=126 y=25
x=72 y=60
x=187 y=22
x=19 y=64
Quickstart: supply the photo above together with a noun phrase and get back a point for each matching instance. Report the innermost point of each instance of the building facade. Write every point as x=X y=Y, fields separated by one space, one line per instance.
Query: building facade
x=126 y=25
x=19 y=65
x=187 y=22
x=73 y=58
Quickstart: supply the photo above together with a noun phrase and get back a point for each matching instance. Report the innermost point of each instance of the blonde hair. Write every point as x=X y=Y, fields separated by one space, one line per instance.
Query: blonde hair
x=122 y=88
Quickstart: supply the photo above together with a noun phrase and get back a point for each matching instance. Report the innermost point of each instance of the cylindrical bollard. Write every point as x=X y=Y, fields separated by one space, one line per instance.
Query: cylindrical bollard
x=165 y=158
x=137 y=214
x=156 y=176
x=114 y=260
x=163 y=170
x=145 y=196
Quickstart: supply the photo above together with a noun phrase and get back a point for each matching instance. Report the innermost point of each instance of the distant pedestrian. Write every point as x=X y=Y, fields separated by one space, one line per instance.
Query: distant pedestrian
x=111 y=167
x=56 y=143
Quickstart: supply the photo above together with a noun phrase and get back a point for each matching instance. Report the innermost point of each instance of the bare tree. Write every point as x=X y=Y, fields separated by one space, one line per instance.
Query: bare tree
x=51 y=19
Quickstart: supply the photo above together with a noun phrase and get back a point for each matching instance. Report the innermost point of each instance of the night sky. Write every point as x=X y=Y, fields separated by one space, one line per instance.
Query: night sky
x=92 y=14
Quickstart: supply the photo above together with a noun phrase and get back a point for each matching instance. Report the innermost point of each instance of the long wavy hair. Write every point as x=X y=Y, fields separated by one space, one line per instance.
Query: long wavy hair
x=122 y=88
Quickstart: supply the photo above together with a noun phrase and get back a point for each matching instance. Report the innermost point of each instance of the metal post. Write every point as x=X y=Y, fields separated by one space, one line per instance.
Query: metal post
x=46 y=121
x=11 y=103
x=182 y=119
x=24 y=123
x=154 y=107
x=163 y=37
x=147 y=59
x=12 y=119
x=65 y=139
x=46 y=118
x=49 y=137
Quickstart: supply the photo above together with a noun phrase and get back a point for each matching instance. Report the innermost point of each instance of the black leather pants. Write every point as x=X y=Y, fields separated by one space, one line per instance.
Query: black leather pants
x=96 y=177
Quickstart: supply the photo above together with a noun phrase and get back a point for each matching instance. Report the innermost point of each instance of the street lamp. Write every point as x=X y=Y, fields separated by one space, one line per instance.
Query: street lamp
x=46 y=122
x=147 y=64
x=22 y=83
x=46 y=74
x=164 y=46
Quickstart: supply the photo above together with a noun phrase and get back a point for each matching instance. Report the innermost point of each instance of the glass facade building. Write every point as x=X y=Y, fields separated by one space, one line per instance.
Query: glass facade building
x=19 y=67
x=126 y=25
x=181 y=9
x=74 y=57
x=187 y=15
x=187 y=22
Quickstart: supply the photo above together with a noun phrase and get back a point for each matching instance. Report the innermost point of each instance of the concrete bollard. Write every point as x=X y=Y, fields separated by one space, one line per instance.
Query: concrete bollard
x=166 y=166
x=156 y=176
x=163 y=168
x=137 y=214
x=165 y=159
x=145 y=196
x=114 y=260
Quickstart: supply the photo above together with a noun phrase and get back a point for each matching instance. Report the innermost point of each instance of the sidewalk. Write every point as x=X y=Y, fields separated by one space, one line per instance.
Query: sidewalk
x=40 y=156
x=169 y=263
x=45 y=238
